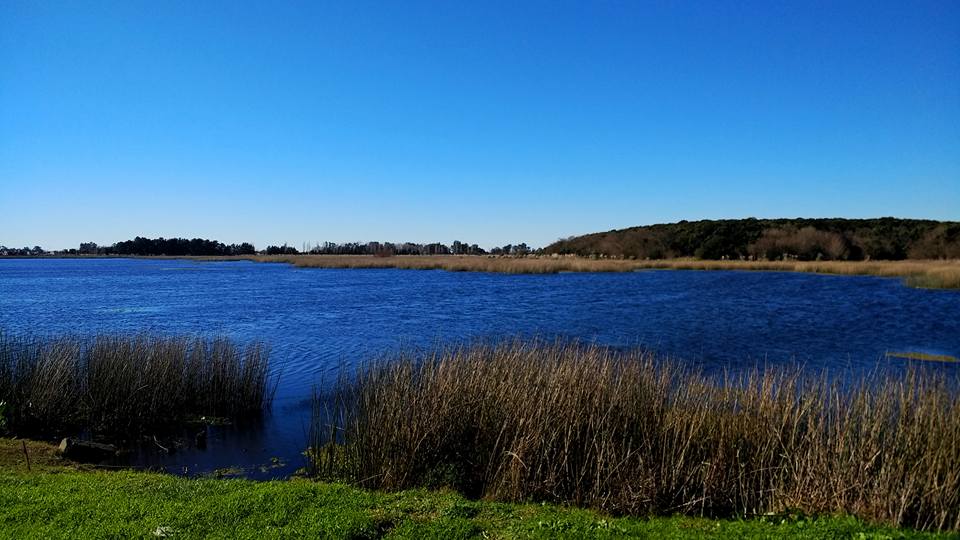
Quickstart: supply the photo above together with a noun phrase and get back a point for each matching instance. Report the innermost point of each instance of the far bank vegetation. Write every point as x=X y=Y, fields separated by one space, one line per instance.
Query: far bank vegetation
x=774 y=239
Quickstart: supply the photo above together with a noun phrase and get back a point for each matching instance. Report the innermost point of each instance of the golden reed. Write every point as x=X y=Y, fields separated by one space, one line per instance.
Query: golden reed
x=943 y=274
x=629 y=434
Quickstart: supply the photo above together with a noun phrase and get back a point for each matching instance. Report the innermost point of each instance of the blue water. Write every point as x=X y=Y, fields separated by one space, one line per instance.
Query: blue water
x=318 y=322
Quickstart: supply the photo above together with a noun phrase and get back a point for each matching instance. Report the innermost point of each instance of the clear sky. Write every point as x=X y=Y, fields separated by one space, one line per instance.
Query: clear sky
x=488 y=122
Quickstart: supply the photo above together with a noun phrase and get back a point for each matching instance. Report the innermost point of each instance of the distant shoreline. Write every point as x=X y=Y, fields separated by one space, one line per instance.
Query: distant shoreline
x=937 y=274
x=934 y=274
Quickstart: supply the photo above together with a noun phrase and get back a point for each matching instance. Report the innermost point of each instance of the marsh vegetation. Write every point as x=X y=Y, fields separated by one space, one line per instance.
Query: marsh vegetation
x=122 y=386
x=628 y=434
x=943 y=274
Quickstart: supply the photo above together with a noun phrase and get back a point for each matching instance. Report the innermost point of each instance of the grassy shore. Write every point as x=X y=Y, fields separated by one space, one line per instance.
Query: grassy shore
x=56 y=500
x=629 y=434
x=944 y=274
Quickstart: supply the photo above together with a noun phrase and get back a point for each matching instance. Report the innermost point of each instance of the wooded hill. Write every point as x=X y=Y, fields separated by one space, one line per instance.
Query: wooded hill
x=803 y=239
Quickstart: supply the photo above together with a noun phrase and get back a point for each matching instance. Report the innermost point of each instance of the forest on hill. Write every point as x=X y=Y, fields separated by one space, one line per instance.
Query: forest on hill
x=772 y=239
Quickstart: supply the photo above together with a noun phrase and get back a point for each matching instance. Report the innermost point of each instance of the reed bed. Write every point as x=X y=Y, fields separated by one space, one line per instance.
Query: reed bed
x=625 y=433
x=943 y=274
x=936 y=274
x=456 y=263
x=122 y=386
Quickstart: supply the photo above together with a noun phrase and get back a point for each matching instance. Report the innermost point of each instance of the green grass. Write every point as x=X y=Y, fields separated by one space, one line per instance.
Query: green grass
x=97 y=504
x=59 y=499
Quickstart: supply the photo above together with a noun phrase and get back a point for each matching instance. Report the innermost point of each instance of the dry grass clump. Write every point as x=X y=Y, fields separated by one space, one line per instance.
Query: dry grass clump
x=943 y=274
x=624 y=433
x=123 y=385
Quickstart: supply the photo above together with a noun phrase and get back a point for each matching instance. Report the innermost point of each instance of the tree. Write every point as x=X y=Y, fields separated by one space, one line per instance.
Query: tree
x=282 y=250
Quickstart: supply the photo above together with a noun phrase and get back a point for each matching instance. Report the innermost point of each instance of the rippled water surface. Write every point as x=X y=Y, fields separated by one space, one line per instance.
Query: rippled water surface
x=318 y=322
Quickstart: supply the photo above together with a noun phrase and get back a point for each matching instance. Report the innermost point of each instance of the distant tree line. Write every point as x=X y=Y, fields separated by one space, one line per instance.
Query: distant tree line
x=175 y=247
x=390 y=248
x=380 y=248
x=21 y=252
x=801 y=239
x=771 y=239
x=511 y=249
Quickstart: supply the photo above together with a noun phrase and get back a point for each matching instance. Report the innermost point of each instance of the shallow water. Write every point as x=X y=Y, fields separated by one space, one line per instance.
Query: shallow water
x=319 y=321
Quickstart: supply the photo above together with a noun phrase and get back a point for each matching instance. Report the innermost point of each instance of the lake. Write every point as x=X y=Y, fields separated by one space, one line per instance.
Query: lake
x=319 y=322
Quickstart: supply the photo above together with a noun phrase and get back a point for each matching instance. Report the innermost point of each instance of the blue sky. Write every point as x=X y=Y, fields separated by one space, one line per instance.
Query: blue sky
x=487 y=122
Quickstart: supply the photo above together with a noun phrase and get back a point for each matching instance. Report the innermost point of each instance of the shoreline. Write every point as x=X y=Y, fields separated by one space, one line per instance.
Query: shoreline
x=493 y=423
x=919 y=273
x=932 y=274
x=60 y=499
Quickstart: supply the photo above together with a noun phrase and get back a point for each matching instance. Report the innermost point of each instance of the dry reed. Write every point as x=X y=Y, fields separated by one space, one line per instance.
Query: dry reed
x=944 y=274
x=627 y=434
x=122 y=385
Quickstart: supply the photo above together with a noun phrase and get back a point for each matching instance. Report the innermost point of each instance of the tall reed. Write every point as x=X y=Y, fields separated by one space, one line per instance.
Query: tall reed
x=628 y=434
x=123 y=385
